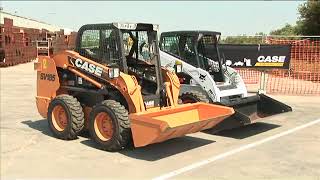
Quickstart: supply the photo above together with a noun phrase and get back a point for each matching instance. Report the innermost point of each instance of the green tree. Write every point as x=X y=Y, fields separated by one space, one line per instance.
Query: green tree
x=309 y=19
x=287 y=30
x=243 y=39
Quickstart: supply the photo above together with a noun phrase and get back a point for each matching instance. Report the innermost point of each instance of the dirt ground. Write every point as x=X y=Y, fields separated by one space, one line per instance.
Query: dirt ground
x=279 y=147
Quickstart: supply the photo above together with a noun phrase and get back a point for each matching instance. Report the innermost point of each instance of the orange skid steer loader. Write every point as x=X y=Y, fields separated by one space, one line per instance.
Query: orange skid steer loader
x=113 y=86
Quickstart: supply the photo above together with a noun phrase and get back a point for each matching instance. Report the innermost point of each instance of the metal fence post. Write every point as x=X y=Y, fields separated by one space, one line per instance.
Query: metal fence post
x=263 y=82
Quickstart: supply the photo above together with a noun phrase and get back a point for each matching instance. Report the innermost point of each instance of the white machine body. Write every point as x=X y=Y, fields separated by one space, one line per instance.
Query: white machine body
x=215 y=91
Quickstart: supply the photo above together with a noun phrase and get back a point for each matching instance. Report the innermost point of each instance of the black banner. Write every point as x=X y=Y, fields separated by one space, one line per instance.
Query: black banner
x=256 y=56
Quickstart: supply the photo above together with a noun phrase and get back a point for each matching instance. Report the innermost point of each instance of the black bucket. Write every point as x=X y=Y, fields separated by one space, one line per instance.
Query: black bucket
x=251 y=109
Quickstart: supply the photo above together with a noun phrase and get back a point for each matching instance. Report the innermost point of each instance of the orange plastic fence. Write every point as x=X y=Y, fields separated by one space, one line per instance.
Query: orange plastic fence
x=249 y=76
x=303 y=78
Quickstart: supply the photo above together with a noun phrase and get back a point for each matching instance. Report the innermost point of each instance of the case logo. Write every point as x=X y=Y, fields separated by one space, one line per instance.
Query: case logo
x=91 y=68
x=270 y=61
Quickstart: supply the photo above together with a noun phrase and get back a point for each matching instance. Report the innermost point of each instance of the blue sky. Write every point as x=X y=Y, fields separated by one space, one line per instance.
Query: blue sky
x=228 y=17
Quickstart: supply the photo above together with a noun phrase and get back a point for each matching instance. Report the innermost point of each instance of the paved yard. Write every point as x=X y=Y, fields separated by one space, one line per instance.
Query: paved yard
x=271 y=149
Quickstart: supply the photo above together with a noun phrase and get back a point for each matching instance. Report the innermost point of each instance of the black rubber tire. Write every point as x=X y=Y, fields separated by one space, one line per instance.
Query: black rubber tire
x=121 y=136
x=75 y=117
x=193 y=97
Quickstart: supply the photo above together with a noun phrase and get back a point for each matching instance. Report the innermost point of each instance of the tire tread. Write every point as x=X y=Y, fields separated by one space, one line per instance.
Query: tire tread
x=197 y=95
x=77 y=116
x=122 y=116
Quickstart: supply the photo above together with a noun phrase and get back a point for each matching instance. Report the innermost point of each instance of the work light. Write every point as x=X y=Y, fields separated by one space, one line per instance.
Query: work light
x=178 y=67
x=114 y=72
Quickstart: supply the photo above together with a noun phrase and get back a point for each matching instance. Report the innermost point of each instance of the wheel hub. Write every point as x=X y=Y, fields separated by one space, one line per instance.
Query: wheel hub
x=103 y=126
x=59 y=118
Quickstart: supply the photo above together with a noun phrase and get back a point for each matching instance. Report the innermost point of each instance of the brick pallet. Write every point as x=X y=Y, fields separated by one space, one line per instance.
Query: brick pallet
x=18 y=44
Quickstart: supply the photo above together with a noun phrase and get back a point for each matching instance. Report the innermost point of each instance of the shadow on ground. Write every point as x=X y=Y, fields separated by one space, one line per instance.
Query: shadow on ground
x=245 y=131
x=154 y=152
x=170 y=147
x=40 y=125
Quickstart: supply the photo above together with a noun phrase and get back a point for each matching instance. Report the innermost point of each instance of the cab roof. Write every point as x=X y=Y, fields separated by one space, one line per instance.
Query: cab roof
x=191 y=32
x=124 y=26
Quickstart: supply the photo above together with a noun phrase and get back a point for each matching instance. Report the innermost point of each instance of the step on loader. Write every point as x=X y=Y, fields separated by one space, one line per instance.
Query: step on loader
x=113 y=86
x=204 y=77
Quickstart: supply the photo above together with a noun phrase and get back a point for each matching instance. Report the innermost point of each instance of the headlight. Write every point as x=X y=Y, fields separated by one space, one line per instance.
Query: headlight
x=114 y=72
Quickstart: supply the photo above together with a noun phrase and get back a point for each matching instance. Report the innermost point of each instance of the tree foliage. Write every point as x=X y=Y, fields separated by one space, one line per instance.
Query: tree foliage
x=309 y=19
x=308 y=23
x=287 y=30
x=257 y=39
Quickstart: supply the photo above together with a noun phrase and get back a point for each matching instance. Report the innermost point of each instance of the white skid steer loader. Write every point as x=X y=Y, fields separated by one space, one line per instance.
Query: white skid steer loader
x=195 y=57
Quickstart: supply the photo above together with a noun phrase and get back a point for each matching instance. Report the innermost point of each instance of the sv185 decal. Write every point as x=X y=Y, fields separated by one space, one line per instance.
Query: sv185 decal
x=48 y=77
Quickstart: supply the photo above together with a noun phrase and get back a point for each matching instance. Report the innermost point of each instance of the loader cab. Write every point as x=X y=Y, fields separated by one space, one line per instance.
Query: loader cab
x=197 y=48
x=132 y=47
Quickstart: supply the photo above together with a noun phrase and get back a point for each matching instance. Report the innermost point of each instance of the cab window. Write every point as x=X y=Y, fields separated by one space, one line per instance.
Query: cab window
x=170 y=44
x=100 y=46
x=180 y=46
x=90 y=44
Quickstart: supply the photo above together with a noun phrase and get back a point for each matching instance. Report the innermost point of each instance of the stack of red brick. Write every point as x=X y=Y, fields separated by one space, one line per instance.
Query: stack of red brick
x=18 y=44
x=62 y=42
